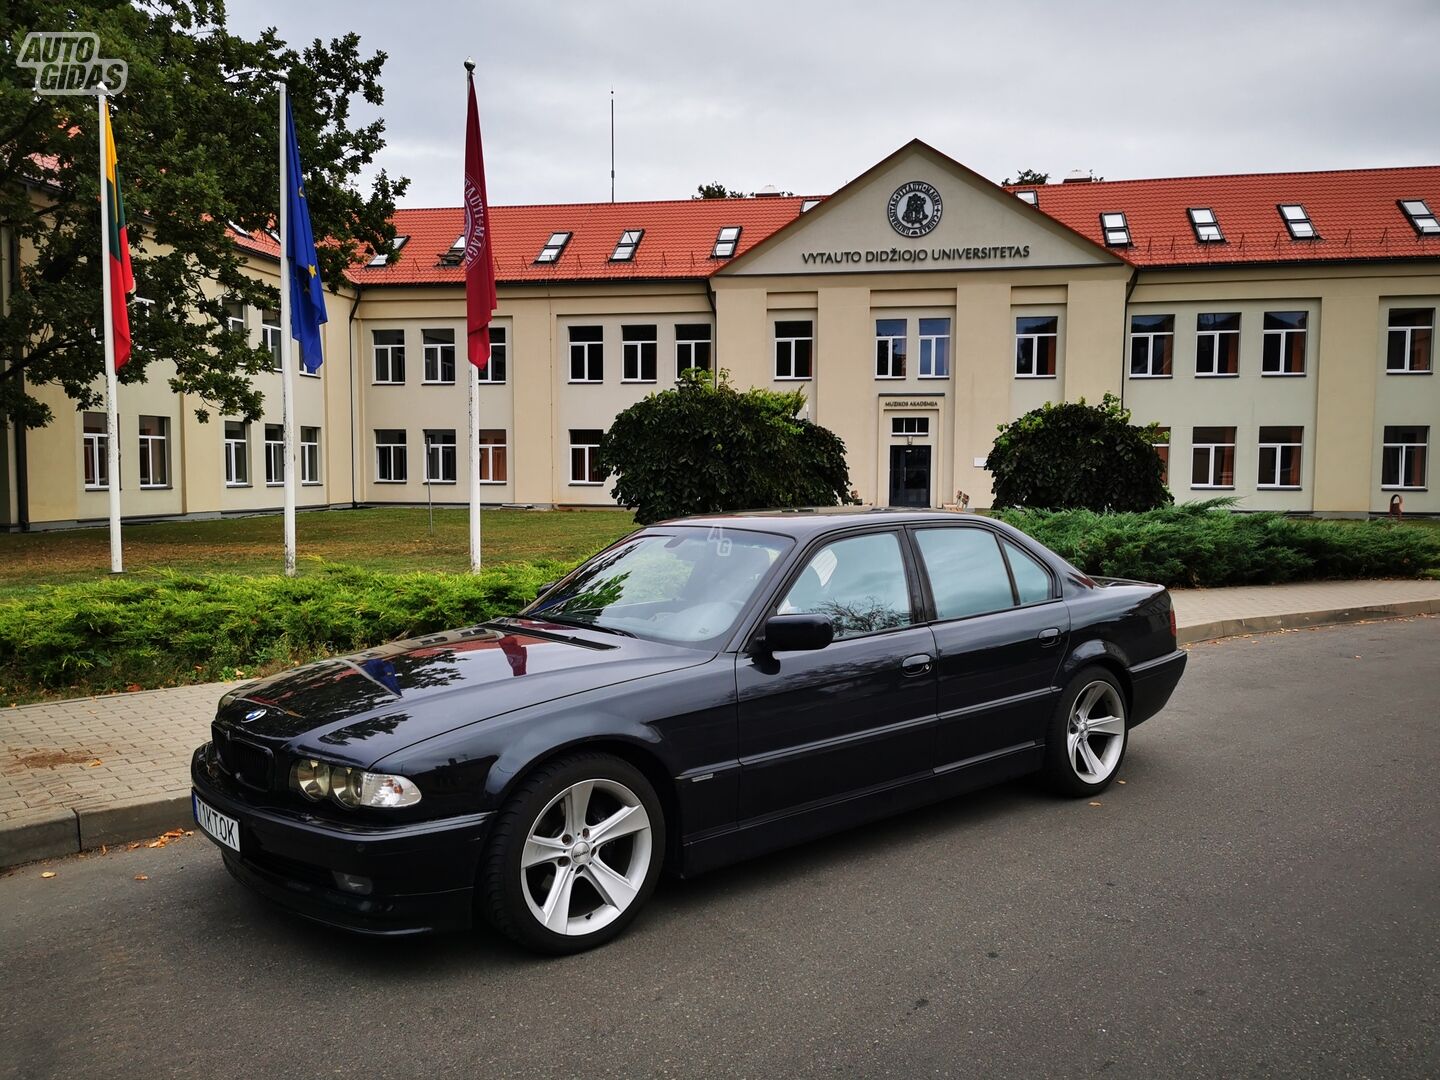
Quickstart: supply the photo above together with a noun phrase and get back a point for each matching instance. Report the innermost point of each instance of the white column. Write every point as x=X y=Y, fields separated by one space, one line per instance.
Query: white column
x=112 y=414
x=287 y=369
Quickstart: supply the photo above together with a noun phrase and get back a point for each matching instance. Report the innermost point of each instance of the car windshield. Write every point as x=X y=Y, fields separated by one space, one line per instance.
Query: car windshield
x=685 y=584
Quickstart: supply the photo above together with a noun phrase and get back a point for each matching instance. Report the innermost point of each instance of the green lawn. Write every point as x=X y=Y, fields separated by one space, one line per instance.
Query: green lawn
x=394 y=539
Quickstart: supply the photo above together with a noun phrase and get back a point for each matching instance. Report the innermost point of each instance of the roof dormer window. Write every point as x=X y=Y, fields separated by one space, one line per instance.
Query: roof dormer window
x=726 y=241
x=625 y=247
x=550 y=253
x=1032 y=197
x=1117 y=230
x=1207 y=229
x=1298 y=222
x=1421 y=216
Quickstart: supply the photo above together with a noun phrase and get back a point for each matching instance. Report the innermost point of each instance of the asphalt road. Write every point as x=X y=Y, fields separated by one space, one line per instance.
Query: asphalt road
x=1260 y=898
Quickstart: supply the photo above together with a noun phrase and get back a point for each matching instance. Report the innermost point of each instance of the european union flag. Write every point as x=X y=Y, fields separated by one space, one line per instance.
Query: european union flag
x=307 y=294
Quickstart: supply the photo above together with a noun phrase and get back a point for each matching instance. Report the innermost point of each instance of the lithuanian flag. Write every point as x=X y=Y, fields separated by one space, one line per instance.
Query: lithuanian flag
x=117 y=247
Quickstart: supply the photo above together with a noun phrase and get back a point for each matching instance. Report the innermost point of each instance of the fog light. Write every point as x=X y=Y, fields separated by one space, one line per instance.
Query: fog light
x=353 y=883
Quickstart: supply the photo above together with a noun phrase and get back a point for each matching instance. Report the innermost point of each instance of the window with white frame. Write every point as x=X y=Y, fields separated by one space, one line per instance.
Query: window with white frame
x=1152 y=346
x=499 y=352
x=439 y=350
x=383 y=257
x=692 y=347
x=1217 y=344
x=270 y=335
x=1162 y=450
x=1030 y=195
x=1284 y=343
x=237 y=453
x=389 y=346
x=1280 y=449
x=585 y=456
x=391 y=466
x=794 y=348
x=934 y=348
x=1036 y=341
x=1207 y=228
x=553 y=248
x=1297 y=221
x=154 y=451
x=587 y=354
x=1402 y=461
x=235 y=317
x=639 y=353
x=97 y=452
x=890 y=344
x=726 y=240
x=1115 y=228
x=274 y=455
x=1422 y=218
x=1212 y=457
x=1411 y=338
x=626 y=245
x=494 y=466
x=309 y=455
x=909 y=425
x=440 y=456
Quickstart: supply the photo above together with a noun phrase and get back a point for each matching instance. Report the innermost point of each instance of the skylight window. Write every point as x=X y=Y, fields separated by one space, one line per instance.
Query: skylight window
x=383 y=257
x=1032 y=197
x=625 y=247
x=238 y=229
x=1207 y=229
x=1117 y=230
x=725 y=242
x=1297 y=221
x=553 y=247
x=808 y=205
x=1421 y=217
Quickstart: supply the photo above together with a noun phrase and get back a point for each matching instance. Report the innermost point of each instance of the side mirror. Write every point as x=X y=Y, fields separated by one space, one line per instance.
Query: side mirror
x=797 y=633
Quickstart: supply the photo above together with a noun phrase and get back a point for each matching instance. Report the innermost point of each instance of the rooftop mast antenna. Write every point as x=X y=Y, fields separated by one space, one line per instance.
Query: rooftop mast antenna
x=612 y=144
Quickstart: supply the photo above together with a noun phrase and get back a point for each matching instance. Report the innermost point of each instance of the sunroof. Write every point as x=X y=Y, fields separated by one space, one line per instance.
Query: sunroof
x=626 y=245
x=553 y=247
x=1207 y=229
x=725 y=242
x=1117 y=230
x=1297 y=221
x=1421 y=216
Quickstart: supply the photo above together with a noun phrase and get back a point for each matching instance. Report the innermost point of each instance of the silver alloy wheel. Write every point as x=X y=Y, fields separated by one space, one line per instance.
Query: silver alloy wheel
x=1095 y=732
x=586 y=857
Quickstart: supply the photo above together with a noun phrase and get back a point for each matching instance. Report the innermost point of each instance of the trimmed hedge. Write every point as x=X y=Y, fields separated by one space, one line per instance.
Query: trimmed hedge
x=1208 y=545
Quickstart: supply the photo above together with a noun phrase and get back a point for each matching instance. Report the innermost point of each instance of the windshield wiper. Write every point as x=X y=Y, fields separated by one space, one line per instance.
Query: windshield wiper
x=582 y=624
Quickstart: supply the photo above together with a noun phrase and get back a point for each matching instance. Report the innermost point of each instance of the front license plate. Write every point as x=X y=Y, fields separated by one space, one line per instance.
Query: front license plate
x=217 y=825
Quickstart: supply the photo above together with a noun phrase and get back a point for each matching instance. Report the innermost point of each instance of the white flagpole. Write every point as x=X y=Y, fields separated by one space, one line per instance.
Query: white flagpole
x=474 y=465
x=287 y=373
x=112 y=415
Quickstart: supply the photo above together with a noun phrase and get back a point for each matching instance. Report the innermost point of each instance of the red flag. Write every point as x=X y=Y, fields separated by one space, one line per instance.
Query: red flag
x=479 y=258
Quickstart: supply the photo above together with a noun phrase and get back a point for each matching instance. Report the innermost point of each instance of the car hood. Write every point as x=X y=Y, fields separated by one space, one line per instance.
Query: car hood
x=360 y=708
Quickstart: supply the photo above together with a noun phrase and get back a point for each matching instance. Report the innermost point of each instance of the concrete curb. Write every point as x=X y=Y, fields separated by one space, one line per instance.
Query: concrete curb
x=1262 y=624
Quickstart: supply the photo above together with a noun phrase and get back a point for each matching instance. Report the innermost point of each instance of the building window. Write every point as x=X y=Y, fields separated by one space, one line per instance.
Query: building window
x=890 y=335
x=553 y=248
x=494 y=468
x=439 y=351
x=909 y=425
x=154 y=451
x=1280 y=456
x=1402 y=464
x=808 y=205
x=934 y=348
x=383 y=257
x=1032 y=197
x=726 y=240
x=1213 y=457
x=1162 y=450
x=235 y=317
x=626 y=245
x=390 y=463
x=1217 y=344
x=270 y=335
x=499 y=349
x=587 y=354
x=1284 y=343
x=585 y=456
x=794 y=345
x=274 y=455
x=97 y=452
x=1412 y=332
x=309 y=455
x=1207 y=229
x=1152 y=346
x=638 y=345
x=237 y=453
x=389 y=356
x=440 y=456
x=692 y=347
x=1116 y=229
x=1035 y=343
x=1421 y=217
x=1297 y=221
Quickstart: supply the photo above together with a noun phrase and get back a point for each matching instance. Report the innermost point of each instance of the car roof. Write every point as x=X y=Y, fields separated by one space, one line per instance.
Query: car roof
x=812 y=520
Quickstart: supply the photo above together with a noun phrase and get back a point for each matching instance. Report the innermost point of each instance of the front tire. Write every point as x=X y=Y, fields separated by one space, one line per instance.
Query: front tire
x=1088 y=735
x=574 y=854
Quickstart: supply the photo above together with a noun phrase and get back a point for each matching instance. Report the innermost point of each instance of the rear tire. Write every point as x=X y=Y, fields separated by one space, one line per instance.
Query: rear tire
x=574 y=854
x=1088 y=735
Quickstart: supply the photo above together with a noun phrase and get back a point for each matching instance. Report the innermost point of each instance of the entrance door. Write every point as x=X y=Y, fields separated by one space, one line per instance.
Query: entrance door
x=910 y=476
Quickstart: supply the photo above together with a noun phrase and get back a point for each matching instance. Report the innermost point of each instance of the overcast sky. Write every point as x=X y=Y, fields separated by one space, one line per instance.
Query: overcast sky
x=806 y=96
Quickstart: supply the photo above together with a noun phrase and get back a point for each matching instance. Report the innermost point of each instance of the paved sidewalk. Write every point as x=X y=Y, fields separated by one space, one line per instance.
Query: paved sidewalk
x=78 y=774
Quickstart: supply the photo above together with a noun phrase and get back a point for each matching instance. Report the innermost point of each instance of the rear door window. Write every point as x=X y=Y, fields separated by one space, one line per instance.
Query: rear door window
x=966 y=570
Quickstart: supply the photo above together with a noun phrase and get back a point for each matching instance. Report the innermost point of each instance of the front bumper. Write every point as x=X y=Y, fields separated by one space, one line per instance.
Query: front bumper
x=1153 y=682
x=422 y=873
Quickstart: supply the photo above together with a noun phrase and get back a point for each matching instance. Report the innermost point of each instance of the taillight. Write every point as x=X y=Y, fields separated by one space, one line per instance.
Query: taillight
x=1172 y=622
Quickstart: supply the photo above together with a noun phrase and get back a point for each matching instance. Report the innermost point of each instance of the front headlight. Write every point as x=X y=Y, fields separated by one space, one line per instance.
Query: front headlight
x=351 y=787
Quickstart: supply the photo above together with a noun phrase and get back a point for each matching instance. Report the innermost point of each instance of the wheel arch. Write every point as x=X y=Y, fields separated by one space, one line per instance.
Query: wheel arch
x=1101 y=654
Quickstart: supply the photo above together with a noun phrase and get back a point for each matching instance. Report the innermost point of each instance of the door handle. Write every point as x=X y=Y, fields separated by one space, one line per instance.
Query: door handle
x=1049 y=636
x=918 y=664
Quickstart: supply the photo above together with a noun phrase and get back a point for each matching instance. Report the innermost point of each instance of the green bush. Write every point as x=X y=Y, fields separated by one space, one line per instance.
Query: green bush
x=1206 y=544
x=162 y=629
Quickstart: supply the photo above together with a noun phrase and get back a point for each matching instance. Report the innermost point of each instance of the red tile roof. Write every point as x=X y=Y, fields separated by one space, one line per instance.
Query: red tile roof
x=1355 y=214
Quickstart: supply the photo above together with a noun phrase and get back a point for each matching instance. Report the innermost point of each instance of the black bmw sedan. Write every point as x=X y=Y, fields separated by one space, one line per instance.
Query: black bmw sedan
x=699 y=692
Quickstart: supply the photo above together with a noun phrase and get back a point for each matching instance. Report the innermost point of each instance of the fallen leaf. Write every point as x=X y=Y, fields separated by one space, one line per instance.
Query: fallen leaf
x=94 y=763
x=104 y=849
x=1119 y=781
x=142 y=877
x=132 y=688
x=1094 y=804
x=47 y=873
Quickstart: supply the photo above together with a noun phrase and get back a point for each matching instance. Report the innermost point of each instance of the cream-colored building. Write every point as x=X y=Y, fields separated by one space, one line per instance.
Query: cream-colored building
x=1280 y=326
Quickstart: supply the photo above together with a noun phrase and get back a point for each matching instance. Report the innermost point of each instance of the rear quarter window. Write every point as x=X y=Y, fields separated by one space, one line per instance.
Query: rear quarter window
x=1032 y=581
